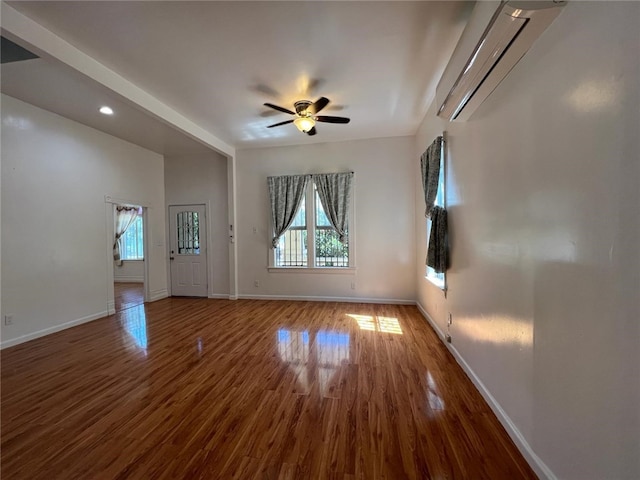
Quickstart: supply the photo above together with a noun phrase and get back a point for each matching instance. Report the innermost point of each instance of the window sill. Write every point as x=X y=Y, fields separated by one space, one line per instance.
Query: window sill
x=132 y=259
x=323 y=270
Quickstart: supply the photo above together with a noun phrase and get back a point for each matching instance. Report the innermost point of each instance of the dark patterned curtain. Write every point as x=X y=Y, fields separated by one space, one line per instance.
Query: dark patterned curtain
x=334 y=190
x=430 y=167
x=438 y=250
x=285 y=193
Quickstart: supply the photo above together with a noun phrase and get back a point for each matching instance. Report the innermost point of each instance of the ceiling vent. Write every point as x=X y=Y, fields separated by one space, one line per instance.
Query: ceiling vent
x=485 y=54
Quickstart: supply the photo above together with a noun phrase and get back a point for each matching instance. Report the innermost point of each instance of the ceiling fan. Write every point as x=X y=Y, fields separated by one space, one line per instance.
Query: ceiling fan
x=305 y=114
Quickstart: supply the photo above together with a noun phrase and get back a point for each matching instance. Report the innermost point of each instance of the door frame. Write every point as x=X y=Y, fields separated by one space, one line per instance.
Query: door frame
x=110 y=203
x=208 y=221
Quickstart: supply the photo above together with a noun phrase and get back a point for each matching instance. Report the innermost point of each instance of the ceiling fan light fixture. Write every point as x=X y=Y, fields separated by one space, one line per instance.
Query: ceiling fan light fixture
x=306 y=115
x=304 y=124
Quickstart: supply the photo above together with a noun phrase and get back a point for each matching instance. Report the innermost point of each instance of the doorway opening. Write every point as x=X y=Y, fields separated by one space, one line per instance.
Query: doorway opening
x=128 y=256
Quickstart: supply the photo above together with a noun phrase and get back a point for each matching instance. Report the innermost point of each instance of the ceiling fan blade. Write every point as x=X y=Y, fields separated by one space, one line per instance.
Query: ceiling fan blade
x=318 y=105
x=281 y=123
x=312 y=131
x=280 y=109
x=329 y=119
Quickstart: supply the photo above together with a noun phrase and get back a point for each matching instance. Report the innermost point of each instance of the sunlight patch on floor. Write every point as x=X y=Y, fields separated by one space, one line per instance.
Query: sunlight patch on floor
x=377 y=324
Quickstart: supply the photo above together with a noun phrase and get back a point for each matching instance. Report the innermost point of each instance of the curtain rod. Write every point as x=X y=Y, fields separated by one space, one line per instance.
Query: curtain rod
x=309 y=174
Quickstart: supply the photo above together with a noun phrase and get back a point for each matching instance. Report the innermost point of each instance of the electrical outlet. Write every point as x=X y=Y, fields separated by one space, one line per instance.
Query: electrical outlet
x=8 y=319
x=353 y=285
x=256 y=283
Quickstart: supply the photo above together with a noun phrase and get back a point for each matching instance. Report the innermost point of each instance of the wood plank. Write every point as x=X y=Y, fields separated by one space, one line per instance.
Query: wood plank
x=127 y=295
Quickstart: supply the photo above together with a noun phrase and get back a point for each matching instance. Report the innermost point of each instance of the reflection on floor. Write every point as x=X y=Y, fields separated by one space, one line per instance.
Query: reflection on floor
x=134 y=321
x=331 y=352
x=128 y=295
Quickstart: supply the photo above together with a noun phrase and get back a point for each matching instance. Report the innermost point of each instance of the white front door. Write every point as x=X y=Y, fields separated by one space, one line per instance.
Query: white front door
x=188 y=257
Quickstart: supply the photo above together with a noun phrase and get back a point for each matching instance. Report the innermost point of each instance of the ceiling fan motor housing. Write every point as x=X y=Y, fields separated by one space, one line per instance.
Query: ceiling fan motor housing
x=301 y=107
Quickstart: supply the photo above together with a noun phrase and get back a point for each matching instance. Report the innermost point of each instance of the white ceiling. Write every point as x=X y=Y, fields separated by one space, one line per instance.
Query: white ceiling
x=216 y=63
x=57 y=88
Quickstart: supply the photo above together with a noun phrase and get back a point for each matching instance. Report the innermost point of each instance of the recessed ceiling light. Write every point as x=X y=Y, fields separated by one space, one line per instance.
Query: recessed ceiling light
x=106 y=110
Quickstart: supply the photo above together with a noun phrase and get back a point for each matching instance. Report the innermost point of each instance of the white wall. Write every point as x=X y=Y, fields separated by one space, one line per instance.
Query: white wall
x=129 y=271
x=56 y=265
x=543 y=194
x=384 y=209
x=202 y=179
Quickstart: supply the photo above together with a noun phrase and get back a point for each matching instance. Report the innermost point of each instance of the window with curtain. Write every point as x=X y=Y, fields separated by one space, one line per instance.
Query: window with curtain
x=292 y=246
x=437 y=277
x=312 y=240
x=329 y=250
x=133 y=241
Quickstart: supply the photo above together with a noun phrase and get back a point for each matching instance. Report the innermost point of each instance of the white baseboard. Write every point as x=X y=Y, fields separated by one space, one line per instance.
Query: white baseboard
x=541 y=469
x=111 y=307
x=219 y=295
x=128 y=279
x=55 y=328
x=327 y=299
x=158 y=295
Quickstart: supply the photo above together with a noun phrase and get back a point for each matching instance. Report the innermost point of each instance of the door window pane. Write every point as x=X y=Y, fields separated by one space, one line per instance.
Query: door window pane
x=188 y=231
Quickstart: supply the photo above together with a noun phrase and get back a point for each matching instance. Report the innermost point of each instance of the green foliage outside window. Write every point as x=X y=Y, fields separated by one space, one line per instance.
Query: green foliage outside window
x=329 y=248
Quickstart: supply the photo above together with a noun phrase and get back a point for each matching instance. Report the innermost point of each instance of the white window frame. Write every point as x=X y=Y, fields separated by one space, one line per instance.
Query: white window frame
x=310 y=221
x=438 y=279
x=138 y=224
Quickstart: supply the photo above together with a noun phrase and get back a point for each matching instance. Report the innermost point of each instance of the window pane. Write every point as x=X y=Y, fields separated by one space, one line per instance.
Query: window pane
x=330 y=252
x=292 y=248
x=139 y=242
x=431 y=273
x=439 y=201
x=321 y=217
x=300 y=218
x=133 y=242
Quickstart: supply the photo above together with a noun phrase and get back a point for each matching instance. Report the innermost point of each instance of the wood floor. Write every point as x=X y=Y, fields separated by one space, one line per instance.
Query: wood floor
x=127 y=295
x=216 y=389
